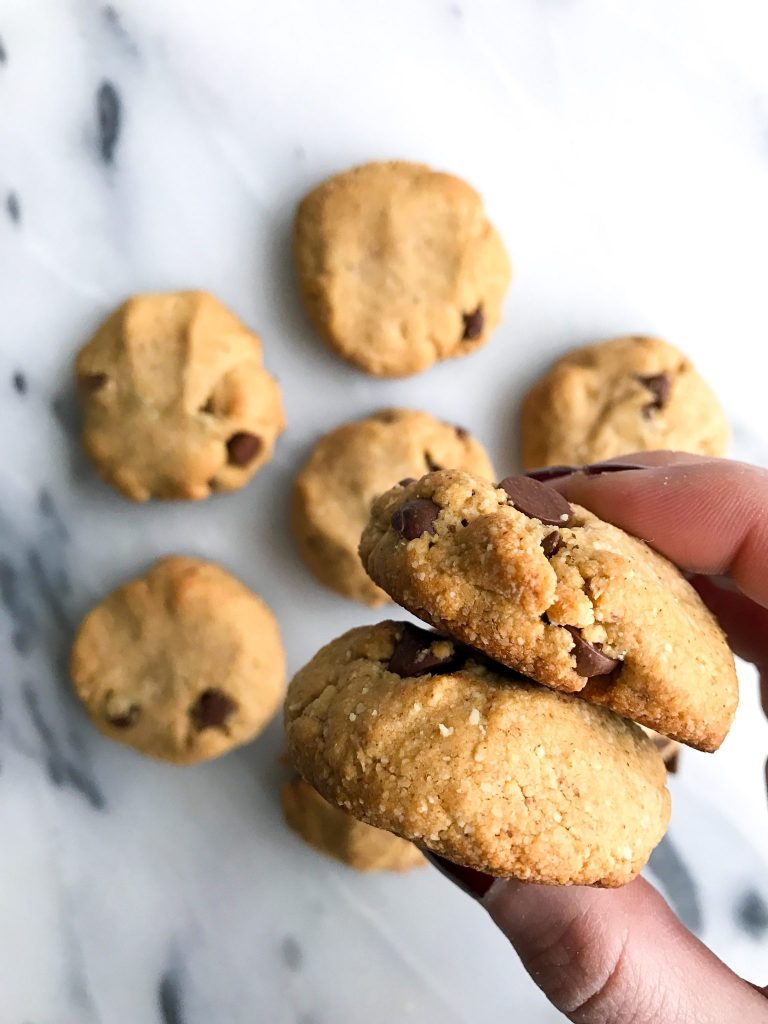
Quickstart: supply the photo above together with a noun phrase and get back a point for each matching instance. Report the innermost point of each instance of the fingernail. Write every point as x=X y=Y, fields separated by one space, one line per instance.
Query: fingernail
x=544 y=473
x=473 y=883
x=598 y=468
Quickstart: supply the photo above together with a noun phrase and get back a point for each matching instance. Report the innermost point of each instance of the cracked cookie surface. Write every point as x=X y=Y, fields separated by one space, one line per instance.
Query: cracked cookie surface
x=339 y=835
x=176 y=400
x=352 y=465
x=409 y=732
x=557 y=594
x=399 y=266
x=620 y=396
x=183 y=663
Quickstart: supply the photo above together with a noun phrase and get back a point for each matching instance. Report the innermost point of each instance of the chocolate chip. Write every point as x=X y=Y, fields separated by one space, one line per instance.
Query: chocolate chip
x=242 y=448
x=473 y=324
x=207 y=407
x=415 y=518
x=212 y=710
x=659 y=385
x=432 y=466
x=550 y=544
x=407 y=480
x=462 y=433
x=535 y=500
x=414 y=655
x=93 y=381
x=590 y=660
x=126 y=719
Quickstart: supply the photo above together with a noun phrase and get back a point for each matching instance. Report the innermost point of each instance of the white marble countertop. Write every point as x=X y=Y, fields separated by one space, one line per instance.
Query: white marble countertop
x=622 y=149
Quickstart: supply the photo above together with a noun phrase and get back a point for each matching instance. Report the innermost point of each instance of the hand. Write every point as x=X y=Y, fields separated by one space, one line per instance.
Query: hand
x=621 y=956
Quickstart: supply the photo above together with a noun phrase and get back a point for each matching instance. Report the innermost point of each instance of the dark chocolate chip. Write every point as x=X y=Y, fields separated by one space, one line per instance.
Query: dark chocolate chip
x=473 y=324
x=535 y=500
x=407 y=480
x=598 y=468
x=462 y=433
x=242 y=448
x=207 y=407
x=415 y=518
x=590 y=660
x=660 y=386
x=93 y=381
x=544 y=473
x=127 y=719
x=432 y=466
x=413 y=654
x=550 y=545
x=212 y=710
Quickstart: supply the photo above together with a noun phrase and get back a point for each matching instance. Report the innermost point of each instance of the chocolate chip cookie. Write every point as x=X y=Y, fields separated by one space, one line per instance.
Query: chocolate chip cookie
x=176 y=399
x=183 y=664
x=550 y=590
x=620 y=396
x=354 y=464
x=399 y=266
x=411 y=732
x=339 y=835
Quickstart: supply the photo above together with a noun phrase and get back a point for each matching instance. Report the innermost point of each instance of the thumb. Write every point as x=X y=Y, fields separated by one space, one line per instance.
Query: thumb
x=614 y=956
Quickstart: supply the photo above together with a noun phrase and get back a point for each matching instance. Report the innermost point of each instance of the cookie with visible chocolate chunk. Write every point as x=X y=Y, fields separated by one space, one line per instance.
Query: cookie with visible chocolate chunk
x=620 y=396
x=343 y=837
x=183 y=663
x=352 y=465
x=176 y=400
x=399 y=266
x=409 y=731
x=551 y=591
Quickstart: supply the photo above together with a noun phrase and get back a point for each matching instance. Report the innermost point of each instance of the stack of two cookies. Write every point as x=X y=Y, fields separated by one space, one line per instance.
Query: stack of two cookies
x=507 y=741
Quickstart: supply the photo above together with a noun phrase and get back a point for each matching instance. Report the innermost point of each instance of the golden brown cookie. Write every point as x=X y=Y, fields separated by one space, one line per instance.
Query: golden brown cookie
x=399 y=266
x=339 y=835
x=183 y=663
x=176 y=399
x=624 y=395
x=551 y=591
x=410 y=732
x=354 y=464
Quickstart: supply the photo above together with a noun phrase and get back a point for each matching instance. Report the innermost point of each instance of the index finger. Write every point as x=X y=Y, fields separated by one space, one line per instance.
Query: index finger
x=710 y=516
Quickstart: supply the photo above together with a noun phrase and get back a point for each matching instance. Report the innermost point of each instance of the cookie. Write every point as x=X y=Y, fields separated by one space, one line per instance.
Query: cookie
x=410 y=732
x=354 y=464
x=339 y=835
x=551 y=591
x=183 y=664
x=620 y=396
x=176 y=400
x=399 y=267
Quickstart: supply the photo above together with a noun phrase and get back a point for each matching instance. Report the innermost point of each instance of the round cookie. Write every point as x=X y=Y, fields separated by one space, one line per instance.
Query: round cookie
x=183 y=664
x=399 y=266
x=551 y=591
x=354 y=464
x=339 y=835
x=176 y=400
x=620 y=396
x=408 y=731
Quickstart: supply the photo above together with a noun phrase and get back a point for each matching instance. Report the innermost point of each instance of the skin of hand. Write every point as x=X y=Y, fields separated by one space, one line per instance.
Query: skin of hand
x=621 y=956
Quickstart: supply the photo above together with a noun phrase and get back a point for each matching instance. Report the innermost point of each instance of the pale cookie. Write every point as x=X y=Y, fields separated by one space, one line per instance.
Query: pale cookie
x=354 y=464
x=176 y=399
x=620 y=396
x=183 y=664
x=551 y=591
x=399 y=266
x=410 y=732
x=339 y=835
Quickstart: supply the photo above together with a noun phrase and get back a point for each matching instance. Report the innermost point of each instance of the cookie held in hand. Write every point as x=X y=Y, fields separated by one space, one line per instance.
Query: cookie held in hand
x=549 y=590
x=411 y=732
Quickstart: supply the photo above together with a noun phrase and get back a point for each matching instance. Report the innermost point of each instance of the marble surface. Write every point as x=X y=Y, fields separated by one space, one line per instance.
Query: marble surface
x=623 y=152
